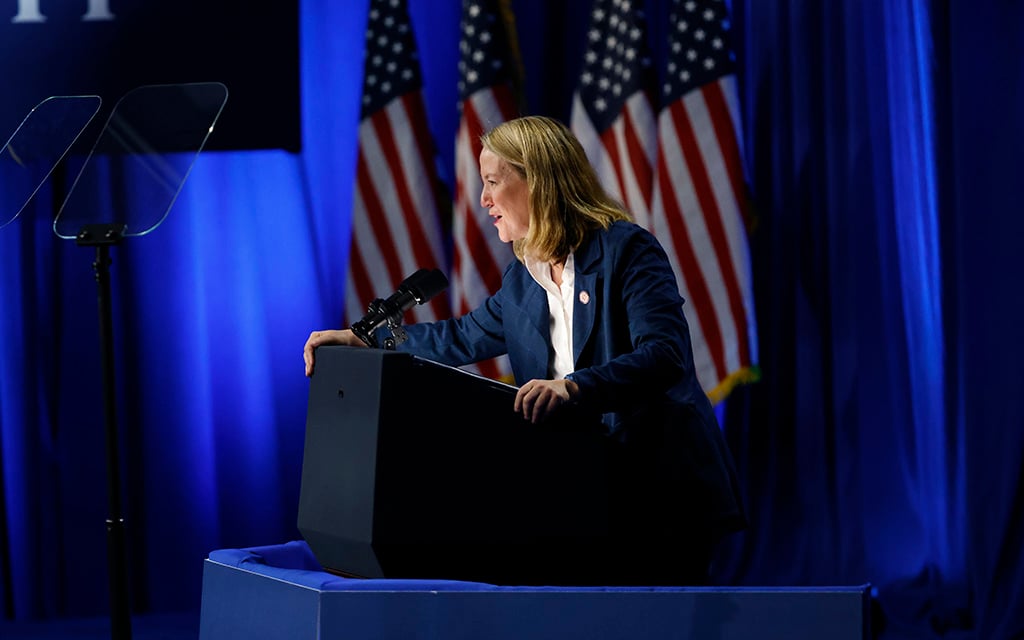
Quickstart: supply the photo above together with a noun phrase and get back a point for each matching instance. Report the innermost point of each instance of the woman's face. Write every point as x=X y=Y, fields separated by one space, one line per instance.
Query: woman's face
x=506 y=195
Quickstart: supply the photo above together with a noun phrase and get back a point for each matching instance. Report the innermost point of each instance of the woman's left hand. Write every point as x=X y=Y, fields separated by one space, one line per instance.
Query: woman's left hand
x=536 y=399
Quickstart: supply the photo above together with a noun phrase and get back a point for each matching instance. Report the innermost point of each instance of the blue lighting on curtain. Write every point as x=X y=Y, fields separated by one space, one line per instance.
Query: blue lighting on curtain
x=916 y=226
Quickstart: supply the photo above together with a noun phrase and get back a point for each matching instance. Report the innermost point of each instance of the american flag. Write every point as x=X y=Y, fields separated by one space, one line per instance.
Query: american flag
x=612 y=113
x=396 y=221
x=700 y=211
x=488 y=70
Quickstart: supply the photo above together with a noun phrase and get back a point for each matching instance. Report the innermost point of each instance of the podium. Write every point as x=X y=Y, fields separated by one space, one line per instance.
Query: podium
x=413 y=469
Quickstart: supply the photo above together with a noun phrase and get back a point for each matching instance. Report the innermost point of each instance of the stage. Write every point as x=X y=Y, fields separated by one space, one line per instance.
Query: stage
x=279 y=591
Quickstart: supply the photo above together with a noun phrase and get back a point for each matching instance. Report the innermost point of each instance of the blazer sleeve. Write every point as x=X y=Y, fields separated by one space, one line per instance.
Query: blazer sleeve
x=475 y=336
x=639 y=347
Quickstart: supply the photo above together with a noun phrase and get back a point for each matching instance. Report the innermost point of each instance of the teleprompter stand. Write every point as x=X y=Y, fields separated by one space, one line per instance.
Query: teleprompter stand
x=103 y=236
x=150 y=141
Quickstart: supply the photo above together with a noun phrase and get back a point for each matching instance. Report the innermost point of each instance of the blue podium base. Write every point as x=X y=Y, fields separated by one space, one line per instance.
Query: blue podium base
x=280 y=592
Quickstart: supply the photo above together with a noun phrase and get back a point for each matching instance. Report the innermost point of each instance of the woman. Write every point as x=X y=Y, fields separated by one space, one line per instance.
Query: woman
x=590 y=314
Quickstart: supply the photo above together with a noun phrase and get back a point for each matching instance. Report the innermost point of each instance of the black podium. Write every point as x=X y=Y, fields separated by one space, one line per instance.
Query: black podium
x=413 y=469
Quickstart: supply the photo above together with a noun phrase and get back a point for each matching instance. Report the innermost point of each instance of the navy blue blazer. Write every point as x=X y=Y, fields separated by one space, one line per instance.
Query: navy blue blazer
x=633 y=363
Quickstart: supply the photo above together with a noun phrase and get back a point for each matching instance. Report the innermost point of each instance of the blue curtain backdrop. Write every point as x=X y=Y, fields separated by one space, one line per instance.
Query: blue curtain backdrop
x=883 y=443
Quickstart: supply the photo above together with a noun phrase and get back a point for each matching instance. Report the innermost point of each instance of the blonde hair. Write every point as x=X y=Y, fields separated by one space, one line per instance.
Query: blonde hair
x=566 y=198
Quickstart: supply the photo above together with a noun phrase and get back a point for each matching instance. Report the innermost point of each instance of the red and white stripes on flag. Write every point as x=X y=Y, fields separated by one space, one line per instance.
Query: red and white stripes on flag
x=396 y=222
x=487 y=68
x=699 y=215
x=612 y=112
x=701 y=210
x=680 y=174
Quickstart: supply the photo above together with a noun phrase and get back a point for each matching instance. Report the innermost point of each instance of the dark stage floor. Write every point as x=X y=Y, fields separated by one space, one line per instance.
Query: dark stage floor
x=178 y=626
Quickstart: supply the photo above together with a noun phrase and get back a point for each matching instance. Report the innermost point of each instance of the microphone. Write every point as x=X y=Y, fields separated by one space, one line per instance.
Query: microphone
x=416 y=289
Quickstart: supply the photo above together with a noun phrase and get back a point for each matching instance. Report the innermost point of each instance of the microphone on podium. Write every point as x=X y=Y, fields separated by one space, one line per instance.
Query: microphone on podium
x=416 y=289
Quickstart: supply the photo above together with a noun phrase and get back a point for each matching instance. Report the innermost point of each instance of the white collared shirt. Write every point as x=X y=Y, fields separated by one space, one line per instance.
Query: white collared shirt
x=560 y=303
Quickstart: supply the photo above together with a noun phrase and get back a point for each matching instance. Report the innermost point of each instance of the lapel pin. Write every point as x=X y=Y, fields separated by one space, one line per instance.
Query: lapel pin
x=584 y=297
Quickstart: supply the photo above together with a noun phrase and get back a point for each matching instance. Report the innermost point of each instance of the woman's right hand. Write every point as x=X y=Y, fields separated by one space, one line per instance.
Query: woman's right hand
x=332 y=336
